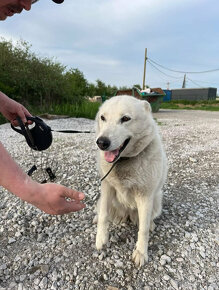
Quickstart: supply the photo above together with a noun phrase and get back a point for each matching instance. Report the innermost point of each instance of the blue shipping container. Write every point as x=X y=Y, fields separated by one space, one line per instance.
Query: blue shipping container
x=168 y=96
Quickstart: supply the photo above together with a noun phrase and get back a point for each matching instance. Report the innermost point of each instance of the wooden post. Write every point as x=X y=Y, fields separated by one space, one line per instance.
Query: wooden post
x=145 y=59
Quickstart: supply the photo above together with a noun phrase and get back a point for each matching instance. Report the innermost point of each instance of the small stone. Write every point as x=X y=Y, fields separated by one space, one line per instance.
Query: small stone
x=162 y=262
x=174 y=284
x=164 y=259
x=166 y=277
x=22 y=277
x=13 y=285
x=187 y=235
x=194 y=237
x=101 y=256
x=119 y=272
x=40 y=238
x=17 y=234
x=3 y=267
x=20 y=286
x=119 y=264
x=202 y=254
x=192 y=278
x=43 y=283
x=36 y=281
x=192 y=245
x=11 y=240
x=54 y=276
x=192 y=160
x=54 y=286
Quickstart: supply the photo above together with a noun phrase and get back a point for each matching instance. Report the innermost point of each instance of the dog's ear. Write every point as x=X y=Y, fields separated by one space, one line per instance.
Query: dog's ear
x=147 y=106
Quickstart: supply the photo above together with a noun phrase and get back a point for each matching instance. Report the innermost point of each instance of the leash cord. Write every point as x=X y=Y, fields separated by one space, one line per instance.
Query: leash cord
x=109 y=171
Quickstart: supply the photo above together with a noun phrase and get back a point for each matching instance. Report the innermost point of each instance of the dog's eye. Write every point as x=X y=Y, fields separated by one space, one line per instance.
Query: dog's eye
x=102 y=118
x=125 y=119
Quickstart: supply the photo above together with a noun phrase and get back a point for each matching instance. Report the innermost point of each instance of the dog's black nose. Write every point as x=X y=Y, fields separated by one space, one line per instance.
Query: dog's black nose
x=103 y=143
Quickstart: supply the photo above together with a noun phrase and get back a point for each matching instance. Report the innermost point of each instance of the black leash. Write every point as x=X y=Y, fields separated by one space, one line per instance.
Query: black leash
x=120 y=159
x=71 y=131
x=109 y=171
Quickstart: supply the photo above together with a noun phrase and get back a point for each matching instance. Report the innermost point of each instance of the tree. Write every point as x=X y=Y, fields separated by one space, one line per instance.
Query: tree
x=76 y=86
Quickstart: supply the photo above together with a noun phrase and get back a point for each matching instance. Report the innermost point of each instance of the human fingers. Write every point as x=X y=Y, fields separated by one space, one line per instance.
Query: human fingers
x=72 y=194
x=18 y=113
x=65 y=206
x=27 y=114
x=71 y=206
x=23 y=113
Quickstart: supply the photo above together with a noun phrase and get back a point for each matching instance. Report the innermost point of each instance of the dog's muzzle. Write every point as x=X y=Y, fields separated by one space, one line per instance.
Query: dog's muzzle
x=111 y=156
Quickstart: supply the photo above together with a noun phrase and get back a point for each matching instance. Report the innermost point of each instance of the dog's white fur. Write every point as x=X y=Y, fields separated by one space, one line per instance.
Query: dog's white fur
x=134 y=187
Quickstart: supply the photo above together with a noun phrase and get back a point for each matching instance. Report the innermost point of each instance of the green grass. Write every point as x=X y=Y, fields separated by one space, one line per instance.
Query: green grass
x=191 y=105
x=85 y=110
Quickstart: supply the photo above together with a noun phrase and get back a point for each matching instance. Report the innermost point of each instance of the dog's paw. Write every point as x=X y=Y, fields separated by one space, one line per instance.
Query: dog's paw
x=101 y=240
x=139 y=258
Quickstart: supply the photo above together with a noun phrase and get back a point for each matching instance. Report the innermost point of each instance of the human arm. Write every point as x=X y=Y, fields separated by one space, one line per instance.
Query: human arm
x=50 y=197
x=10 y=109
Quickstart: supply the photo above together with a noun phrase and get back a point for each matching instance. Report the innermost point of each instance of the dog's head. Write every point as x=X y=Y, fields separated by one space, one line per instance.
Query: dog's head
x=124 y=127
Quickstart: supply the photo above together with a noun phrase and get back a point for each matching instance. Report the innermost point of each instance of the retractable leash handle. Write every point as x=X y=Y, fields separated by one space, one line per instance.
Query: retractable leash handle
x=39 y=137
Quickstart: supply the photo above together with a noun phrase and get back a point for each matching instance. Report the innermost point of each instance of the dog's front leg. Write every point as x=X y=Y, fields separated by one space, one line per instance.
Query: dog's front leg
x=102 y=218
x=145 y=206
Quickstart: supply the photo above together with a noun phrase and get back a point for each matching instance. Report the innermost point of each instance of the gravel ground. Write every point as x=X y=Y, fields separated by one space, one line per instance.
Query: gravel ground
x=38 y=251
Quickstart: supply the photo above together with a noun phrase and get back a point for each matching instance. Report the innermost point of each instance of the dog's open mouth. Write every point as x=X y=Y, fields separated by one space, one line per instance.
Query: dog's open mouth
x=112 y=156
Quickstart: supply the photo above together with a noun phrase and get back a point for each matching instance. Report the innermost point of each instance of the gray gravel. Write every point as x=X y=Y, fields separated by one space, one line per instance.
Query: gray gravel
x=38 y=251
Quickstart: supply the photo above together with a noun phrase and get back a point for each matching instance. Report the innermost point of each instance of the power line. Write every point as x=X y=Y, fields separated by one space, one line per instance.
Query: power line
x=201 y=81
x=162 y=71
x=194 y=83
x=184 y=72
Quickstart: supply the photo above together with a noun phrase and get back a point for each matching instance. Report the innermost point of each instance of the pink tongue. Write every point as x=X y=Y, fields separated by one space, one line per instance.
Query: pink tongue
x=110 y=156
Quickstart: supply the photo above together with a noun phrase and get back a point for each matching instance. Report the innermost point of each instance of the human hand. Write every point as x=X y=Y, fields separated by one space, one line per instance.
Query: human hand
x=51 y=198
x=12 y=109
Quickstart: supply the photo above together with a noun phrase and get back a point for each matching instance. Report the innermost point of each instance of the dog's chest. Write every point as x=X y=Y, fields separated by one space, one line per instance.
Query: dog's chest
x=124 y=187
x=126 y=198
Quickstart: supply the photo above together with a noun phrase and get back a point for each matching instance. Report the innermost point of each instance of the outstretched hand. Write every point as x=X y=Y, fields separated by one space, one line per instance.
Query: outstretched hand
x=51 y=198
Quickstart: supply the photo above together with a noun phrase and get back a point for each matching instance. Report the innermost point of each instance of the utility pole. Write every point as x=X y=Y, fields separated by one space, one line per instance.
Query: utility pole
x=168 y=85
x=145 y=60
x=184 y=82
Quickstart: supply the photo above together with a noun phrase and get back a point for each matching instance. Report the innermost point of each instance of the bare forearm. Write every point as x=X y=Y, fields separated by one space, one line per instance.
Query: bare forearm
x=13 y=178
x=3 y=100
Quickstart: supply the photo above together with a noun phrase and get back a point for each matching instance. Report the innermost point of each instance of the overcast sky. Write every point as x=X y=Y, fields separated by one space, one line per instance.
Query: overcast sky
x=106 y=39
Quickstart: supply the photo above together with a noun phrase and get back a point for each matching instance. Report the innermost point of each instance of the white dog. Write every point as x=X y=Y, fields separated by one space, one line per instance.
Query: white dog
x=127 y=137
